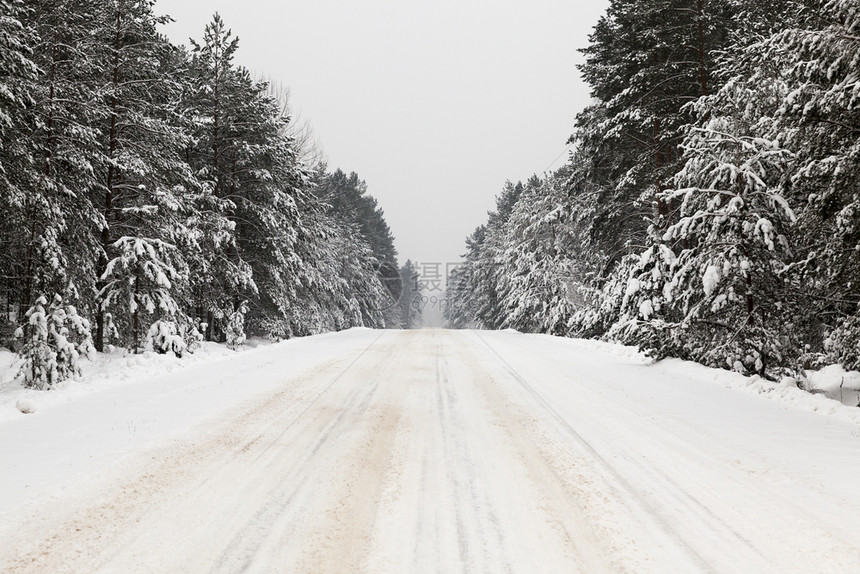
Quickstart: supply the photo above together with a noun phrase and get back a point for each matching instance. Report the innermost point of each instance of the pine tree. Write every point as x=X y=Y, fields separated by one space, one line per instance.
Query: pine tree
x=645 y=63
x=735 y=224
x=143 y=181
x=61 y=126
x=348 y=198
x=223 y=279
x=410 y=303
x=462 y=294
x=818 y=118
x=268 y=188
x=18 y=74
x=54 y=340
x=537 y=292
x=139 y=281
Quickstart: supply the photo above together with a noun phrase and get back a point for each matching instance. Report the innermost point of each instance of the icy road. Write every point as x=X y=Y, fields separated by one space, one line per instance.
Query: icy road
x=430 y=451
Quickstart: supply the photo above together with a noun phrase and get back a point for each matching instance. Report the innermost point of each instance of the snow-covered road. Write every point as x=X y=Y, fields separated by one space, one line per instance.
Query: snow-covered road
x=430 y=451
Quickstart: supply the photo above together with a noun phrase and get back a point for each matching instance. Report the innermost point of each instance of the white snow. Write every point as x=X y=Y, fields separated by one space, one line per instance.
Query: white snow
x=837 y=384
x=710 y=279
x=632 y=287
x=428 y=451
x=646 y=309
x=26 y=406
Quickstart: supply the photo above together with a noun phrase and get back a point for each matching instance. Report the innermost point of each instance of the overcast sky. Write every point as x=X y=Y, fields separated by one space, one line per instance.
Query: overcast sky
x=434 y=104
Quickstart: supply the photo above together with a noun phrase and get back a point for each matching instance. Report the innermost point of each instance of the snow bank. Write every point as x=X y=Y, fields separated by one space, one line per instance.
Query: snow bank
x=836 y=392
x=836 y=383
x=82 y=434
x=785 y=391
x=110 y=369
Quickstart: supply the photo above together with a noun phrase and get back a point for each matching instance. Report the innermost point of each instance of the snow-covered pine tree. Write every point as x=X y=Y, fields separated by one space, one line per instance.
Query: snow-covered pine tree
x=536 y=286
x=728 y=284
x=643 y=310
x=312 y=303
x=488 y=271
x=163 y=337
x=348 y=200
x=143 y=182
x=358 y=215
x=819 y=121
x=53 y=341
x=18 y=74
x=360 y=286
x=461 y=308
x=645 y=62
x=410 y=303
x=263 y=179
x=138 y=285
x=61 y=126
x=235 y=330
x=222 y=279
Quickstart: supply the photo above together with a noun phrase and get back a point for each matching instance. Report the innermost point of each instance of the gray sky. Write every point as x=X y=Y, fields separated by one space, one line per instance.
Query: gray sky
x=434 y=104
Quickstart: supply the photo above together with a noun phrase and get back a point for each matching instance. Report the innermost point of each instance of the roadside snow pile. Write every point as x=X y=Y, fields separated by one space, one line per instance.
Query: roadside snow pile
x=832 y=391
x=113 y=368
x=836 y=383
x=627 y=353
x=26 y=406
x=785 y=391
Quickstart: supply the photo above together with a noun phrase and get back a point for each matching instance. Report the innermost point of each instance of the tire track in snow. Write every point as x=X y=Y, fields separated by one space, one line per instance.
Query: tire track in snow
x=466 y=499
x=313 y=456
x=738 y=513
x=622 y=488
x=558 y=506
x=170 y=483
x=725 y=516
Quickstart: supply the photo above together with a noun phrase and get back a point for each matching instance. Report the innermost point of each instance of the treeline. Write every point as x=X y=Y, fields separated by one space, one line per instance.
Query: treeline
x=143 y=183
x=710 y=209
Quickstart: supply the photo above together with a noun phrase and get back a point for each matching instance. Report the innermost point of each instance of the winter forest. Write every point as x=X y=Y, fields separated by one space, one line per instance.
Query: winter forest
x=155 y=195
x=710 y=208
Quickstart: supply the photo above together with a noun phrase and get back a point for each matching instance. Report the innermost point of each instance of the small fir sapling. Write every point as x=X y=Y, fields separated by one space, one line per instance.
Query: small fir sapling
x=163 y=337
x=54 y=340
x=235 y=331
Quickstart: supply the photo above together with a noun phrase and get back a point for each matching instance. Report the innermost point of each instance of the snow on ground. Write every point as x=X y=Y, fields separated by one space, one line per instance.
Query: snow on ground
x=838 y=384
x=108 y=370
x=431 y=451
x=126 y=404
x=836 y=394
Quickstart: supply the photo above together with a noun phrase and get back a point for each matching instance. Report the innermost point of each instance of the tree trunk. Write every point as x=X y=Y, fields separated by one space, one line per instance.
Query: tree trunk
x=102 y=262
x=658 y=164
x=210 y=318
x=703 y=71
x=216 y=119
x=136 y=317
x=29 y=280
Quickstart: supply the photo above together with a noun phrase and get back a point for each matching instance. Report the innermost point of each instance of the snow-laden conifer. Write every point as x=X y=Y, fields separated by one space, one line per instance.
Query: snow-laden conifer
x=138 y=284
x=727 y=283
x=54 y=338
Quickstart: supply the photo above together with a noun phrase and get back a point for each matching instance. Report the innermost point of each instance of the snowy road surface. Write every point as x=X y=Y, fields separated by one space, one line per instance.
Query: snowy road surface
x=430 y=451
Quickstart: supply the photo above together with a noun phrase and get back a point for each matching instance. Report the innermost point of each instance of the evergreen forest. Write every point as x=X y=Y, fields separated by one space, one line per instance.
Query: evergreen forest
x=154 y=196
x=710 y=206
